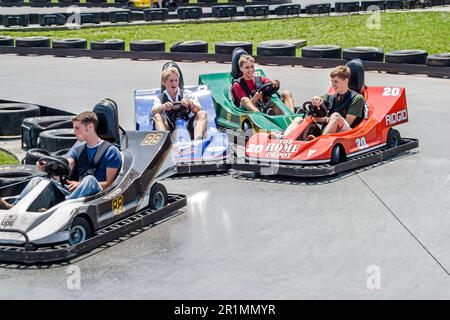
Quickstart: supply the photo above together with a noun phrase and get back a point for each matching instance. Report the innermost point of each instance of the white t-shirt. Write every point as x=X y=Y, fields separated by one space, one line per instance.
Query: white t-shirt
x=187 y=94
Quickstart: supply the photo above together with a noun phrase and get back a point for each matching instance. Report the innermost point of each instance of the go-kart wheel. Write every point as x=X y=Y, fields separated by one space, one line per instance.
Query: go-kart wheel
x=247 y=129
x=158 y=197
x=393 y=138
x=337 y=154
x=80 y=231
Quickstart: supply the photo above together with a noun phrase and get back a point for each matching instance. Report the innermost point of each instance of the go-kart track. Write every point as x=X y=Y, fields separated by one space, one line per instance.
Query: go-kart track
x=249 y=237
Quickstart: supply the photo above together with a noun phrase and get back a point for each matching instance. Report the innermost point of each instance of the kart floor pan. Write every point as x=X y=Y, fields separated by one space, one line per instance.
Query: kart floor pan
x=325 y=169
x=203 y=167
x=64 y=252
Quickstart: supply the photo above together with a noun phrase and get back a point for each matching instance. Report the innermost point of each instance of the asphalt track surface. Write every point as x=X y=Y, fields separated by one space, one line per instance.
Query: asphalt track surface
x=244 y=237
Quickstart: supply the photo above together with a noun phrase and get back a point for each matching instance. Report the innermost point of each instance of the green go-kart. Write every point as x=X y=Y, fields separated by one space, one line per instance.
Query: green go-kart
x=231 y=117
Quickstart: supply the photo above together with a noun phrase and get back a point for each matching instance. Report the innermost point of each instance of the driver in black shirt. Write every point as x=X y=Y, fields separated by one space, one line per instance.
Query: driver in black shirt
x=163 y=111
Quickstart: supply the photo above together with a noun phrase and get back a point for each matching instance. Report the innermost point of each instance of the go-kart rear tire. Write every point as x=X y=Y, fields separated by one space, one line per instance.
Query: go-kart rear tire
x=337 y=154
x=158 y=197
x=80 y=231
x=393 y=138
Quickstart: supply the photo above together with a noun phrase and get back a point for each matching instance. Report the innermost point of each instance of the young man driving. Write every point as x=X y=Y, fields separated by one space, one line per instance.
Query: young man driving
x=246 y=92
x=93 y=177
x=162 y=111
x=345 y=107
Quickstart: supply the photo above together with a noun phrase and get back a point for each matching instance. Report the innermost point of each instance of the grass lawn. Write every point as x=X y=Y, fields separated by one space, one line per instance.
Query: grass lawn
x=6 y=158
x=406 y=30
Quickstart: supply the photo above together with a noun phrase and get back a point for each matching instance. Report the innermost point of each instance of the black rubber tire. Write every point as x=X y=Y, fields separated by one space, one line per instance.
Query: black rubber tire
x=276 y=49
x=363 y=53
x=190 y=46
x=83 y=226
x=12 y=115
x=227 y=47
x=322 y=51
x=158 y=197
x=54 y=140
x=69 y=43
x=407 y=56
x=109 y=44
x=34 y=154
x=60 y=153
x=13 y=176
x=337 y=155
x=33 y=42
x=393 y=138
x=6 y=41
x=247 y=130
x=439 y=60
x=148 y=45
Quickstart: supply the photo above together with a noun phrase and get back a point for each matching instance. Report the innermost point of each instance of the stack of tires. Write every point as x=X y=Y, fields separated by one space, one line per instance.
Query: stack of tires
x=12 y=115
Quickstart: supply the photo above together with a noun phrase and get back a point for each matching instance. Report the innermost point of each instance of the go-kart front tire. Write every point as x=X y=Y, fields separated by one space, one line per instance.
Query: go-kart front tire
x=158 y=197
x=393 y=138
x=337 y=154
x=80 y=231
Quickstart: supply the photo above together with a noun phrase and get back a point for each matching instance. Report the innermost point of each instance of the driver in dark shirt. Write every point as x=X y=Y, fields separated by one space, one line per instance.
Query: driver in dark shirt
x=246 y=102
x=162 y=109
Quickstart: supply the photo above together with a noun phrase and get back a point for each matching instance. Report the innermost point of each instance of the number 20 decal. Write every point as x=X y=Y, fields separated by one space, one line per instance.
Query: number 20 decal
x=388 y=91
x=361 y=143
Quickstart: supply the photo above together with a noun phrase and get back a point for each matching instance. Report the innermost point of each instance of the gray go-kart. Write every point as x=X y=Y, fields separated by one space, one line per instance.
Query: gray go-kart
x=67 y=228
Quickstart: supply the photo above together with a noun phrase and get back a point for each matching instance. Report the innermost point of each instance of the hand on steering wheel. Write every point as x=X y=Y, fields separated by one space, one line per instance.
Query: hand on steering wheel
x=268 y=89
x=313 y=111
x=56 y=166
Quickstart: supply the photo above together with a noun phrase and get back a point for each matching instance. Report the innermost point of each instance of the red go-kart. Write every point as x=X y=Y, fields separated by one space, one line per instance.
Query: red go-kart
x=373 y=140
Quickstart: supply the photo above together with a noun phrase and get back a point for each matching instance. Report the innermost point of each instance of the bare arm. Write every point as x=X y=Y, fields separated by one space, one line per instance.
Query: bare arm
x=111 y=174
x=350 y=119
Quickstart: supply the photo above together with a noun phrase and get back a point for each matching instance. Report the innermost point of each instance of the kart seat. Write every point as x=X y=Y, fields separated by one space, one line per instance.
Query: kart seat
x=108 y=121
x=356 y=81
x=173 y=64
x=235 y=71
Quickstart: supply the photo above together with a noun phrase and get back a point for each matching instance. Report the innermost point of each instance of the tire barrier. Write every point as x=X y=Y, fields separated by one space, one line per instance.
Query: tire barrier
x=439 y=60
x=33 y=126
x=108 y=44
x=346 y=7
x=407 y=56
x=69 y=43
x=121 y=16
x=395 y=4
x=94 y=18
x=363 y=53
x=318 y=8
x=148 y=45
x=288 y=10
x=225 y=11
x=368 y=4
x=57 y=139
x=52 y=19
x=17 y=174
x=190 y=46
x=9 y=20
x=33 y=42
x=275 y=49
x=33 y=155
x=322 y=51
x=6 y=41
x=193 y=12
x=227 y=47
x=257 y=10
x=12 y=115
x=156 y=14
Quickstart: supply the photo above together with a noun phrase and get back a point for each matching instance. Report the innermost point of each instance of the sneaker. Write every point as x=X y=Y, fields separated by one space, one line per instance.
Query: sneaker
x=276 y=135
x=311 y=137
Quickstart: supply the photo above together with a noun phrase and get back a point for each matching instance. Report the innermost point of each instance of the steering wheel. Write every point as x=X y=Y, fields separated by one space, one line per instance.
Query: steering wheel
x=56 y=166
x=313 y=111
x=268 y=89
x=179 y=111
